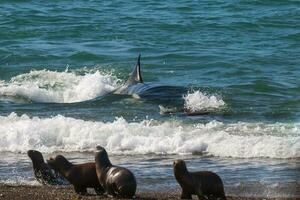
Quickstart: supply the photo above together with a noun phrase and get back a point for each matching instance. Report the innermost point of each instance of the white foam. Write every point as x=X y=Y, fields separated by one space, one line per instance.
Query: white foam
x=59 y=133
x=59 y=87
x=165 y=110
x=17 y=180
x=197 y=102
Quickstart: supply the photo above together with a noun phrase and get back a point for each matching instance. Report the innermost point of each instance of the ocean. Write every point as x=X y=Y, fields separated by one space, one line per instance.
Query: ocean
x=239 y=60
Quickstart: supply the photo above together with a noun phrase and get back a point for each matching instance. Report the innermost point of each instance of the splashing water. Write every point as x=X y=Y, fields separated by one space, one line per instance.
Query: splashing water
x=59 y=133
x=197 y=102
x=59 y=87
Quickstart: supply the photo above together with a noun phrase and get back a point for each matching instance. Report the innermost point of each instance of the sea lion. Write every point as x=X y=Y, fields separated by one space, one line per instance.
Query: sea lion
x=204 y=184
x=81 y=176
x=42 y=171
x=117 y=181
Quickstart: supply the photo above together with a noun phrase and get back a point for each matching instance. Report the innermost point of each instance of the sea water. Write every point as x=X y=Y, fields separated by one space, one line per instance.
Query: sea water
x=60 y=61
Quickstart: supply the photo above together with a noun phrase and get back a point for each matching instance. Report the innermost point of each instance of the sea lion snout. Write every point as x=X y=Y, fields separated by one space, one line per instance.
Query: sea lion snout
x=176 y=162
x=180 y=165
x=35 y=156
x=57 y=161
x=58 y=158
x=51 y=158
x=32 y=152
x=100 y=148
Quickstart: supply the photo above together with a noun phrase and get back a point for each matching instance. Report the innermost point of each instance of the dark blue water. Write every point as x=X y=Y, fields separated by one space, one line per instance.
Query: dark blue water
x=239 y=60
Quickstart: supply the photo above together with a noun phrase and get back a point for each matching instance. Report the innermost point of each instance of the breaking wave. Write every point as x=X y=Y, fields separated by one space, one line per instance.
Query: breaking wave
x=59 y=133
x=59 y=87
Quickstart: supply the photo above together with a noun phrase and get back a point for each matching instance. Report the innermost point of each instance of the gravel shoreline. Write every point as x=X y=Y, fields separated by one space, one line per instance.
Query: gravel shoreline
x=24 y=192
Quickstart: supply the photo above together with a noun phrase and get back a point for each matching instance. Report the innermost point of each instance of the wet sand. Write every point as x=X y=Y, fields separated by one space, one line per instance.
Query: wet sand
x=8 y=192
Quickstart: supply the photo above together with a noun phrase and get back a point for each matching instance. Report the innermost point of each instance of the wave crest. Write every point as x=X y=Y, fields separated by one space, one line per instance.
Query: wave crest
x=59 y=87
x=59 y=133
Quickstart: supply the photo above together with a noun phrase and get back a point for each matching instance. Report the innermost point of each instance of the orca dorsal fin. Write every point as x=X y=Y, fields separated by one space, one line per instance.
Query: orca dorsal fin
x=136 y=76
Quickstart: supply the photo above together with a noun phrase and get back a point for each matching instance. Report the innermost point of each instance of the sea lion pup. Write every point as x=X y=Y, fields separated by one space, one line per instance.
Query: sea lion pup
x=42 y=171
x=81 y=176
x=117 y=181
x=204 y=184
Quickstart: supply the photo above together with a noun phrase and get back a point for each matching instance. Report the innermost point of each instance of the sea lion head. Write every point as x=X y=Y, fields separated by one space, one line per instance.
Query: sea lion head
x=101 y=157
x=59 y=163
x=179 y=166
x=35 y=156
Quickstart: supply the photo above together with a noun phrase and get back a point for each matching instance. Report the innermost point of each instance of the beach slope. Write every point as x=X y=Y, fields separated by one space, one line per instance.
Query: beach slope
x=22 y=192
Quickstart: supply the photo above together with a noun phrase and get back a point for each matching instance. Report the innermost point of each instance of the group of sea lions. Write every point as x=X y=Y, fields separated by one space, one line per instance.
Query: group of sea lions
x=116 y=181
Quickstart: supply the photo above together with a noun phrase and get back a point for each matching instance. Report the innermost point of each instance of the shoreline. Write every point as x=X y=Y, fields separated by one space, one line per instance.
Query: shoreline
x=23 y=192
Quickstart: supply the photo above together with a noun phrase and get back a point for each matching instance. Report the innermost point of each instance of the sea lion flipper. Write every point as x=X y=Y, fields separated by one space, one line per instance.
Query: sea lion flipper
x=185 y=195
x=201 y=197
x=80 y=190
x=99 y=190
x=199 y=192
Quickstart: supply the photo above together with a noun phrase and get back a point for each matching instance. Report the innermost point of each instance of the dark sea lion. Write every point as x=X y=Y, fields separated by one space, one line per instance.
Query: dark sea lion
x=81 y=176
x=117 y=181
x=204 y=184
x=42 y=171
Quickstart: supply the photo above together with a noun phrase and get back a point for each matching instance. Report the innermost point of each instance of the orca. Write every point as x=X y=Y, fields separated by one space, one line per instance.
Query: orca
x=136 y=87
x=169 y=97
